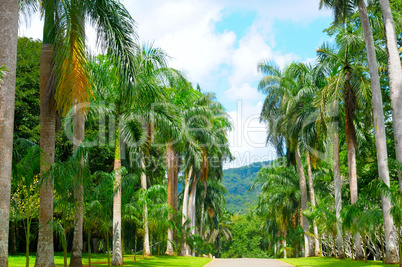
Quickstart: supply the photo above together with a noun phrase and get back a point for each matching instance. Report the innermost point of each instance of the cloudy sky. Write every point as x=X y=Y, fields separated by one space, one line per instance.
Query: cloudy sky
x=218 y=43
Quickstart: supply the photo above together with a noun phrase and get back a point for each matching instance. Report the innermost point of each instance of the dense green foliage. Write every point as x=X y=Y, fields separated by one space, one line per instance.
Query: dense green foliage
x=238 y=181
x=323 y=195
x=98 y=174
x=27 y=90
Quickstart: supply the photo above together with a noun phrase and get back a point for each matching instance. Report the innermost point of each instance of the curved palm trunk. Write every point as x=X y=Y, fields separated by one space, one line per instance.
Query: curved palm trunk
x=117 y=255
x=185 y=211
x=170 y=181
x=192 y=209
x=380 y=136
x=303 y=191
x=8 y=57
x=317 y=251
x=45 y=255
x=338 y=195
x=78 y=133
x=147 y=248
x=395 y=78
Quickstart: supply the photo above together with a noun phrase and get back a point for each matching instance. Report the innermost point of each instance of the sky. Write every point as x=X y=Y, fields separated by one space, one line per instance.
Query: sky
x=218 y=44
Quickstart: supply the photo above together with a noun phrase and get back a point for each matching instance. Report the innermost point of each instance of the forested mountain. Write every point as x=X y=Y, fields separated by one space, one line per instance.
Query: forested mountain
x=238 y=182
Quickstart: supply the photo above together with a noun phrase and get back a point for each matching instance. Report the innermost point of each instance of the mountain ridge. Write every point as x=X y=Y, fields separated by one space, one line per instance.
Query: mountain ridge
x=238 y=182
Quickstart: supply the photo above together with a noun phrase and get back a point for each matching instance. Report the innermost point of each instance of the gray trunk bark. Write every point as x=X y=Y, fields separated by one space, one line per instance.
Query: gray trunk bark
x=203 y=209
x=170 y=181
x=78 y=133
x=45 y=255
x=147 y=248
x=192 y=209
x=8 y=58
x=303 y=192
x=380 y=136
x=395 y=79
x=185 y=210
x=317 y=250
x=117 y=254
x=338 y=195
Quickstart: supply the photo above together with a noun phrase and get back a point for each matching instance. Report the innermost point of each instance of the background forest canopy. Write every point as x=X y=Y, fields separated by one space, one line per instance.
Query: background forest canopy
x=148 y=154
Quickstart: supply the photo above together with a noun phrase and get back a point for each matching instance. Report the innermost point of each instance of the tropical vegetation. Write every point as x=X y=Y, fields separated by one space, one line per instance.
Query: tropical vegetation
x=120 y=156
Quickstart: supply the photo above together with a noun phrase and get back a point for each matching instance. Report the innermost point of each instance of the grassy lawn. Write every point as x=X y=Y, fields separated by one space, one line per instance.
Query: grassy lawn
x=330 y=262
x=101 y=260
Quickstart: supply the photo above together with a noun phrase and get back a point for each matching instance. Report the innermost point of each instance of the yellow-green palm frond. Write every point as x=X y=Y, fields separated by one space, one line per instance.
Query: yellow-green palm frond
x=3 y=70
x=73 y=78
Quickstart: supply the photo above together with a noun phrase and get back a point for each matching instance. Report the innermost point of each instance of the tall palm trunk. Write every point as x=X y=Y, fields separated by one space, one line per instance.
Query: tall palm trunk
x=170 y=181
x=147 y=248
x=317 y=251
x=117 y=256
x=45 y=251
x=380 y=137
x=175 y=189
x=176 y=182
x=351 y=142
x=8 y=58
x=45 y=255
x=192 y=208
x=78 y=133
x=284 y=244
x=203 y=208
x=185 y=210
x=303 y=192
x=338 y=195
x=395 y=78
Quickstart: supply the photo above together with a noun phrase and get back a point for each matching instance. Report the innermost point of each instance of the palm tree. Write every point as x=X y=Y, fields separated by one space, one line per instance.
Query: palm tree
x=378 y=113
x=279 y=182
x=45 y=255
x=73 y=78
x=8 y=59
x=305 y=117
x=178 y=94
x=115 y=29
x=200 y=119
x=279 y=109
x=347 y=77
x=141 y=114
x=217 y=151
x=160 y=120
x=395 y=81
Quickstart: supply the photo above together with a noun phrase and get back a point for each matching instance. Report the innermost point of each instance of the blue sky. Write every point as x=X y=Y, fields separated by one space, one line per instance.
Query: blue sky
x=218 y=43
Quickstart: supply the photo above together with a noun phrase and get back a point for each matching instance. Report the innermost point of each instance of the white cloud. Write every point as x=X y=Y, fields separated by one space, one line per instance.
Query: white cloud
x=243 y=92
x=185 y=29
x=248 y=138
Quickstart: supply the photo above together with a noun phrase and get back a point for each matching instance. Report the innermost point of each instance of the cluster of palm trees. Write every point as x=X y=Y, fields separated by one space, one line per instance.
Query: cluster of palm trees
x=315 y=112
x=152 y=109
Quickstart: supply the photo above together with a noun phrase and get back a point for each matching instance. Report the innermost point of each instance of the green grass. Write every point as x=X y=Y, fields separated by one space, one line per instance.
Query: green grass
x=101 y=260
x=330 y=262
